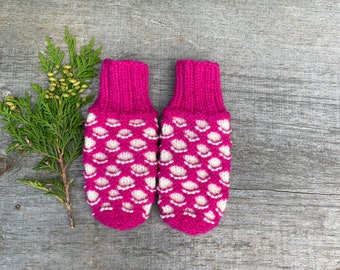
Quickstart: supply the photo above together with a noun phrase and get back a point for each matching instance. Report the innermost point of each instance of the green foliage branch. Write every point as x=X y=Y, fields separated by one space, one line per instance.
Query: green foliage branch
x=51 y=125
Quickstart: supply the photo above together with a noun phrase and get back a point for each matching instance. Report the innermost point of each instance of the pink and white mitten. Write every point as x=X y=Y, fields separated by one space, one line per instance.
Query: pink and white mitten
x=120 y=148
x=195 y=150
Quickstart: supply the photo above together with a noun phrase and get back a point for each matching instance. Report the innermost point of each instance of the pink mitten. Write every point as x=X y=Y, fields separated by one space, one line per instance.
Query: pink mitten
x=195 y=150
x=120 y=148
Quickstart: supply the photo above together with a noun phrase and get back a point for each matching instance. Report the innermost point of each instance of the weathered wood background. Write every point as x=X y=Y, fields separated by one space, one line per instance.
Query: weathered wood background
x=281 y=78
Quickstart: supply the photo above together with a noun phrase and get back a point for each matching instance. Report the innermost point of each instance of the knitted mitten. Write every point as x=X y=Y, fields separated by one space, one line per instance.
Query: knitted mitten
x=120 y=148
x=195 y=150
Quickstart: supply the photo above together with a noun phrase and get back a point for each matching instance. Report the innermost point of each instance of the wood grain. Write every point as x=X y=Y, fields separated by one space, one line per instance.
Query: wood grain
x=280 y=74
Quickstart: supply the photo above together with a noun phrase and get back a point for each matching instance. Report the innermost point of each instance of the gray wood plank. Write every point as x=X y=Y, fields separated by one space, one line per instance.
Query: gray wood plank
x=280 y=75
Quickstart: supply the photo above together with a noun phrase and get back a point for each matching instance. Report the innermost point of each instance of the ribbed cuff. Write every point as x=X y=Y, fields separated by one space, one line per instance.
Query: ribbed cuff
x=124 y=87
x=198 y=87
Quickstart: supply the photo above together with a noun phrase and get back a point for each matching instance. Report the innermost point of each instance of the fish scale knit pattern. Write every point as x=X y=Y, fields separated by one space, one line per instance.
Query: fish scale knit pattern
x=195 y=158
x=119 y=154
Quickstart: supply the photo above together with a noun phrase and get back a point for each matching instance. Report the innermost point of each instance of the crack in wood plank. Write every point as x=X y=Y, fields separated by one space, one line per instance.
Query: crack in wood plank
x=286 y=191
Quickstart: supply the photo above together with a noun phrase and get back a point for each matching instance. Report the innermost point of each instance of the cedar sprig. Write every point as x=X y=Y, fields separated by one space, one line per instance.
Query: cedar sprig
x=51 y=124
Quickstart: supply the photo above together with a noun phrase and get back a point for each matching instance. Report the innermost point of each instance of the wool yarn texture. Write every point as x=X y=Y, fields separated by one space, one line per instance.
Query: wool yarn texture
x=119 y=153
x=195 y=157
